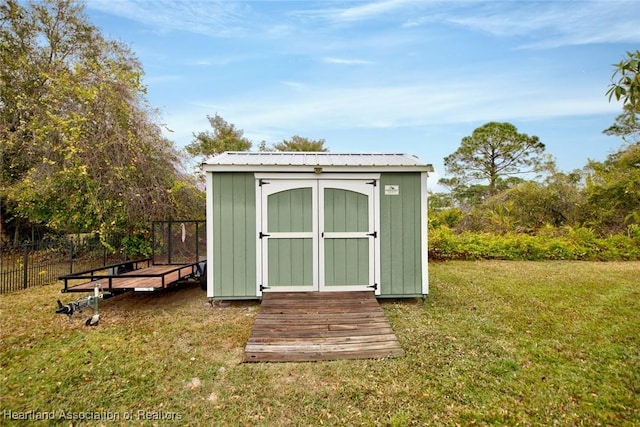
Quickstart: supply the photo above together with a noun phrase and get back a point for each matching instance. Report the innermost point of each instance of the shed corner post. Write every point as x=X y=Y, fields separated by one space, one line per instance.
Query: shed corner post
x=424 y=231
x=209 y=231
x=259 y=266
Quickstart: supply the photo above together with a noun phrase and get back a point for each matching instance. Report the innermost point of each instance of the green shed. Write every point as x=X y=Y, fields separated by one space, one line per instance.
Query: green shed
x=316 y=222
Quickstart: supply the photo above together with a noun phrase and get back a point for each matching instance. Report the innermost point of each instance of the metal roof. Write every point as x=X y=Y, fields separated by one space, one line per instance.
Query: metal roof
x=299 y=161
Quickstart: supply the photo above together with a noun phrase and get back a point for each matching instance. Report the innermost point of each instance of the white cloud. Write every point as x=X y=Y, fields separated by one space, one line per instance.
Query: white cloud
x=363 y=11
x=368 y=10
x=403 y=106
x=212 y=17
x=220 y=59
x=547 y=24
x=553 y=24
x=295 y=85
x=346 y=61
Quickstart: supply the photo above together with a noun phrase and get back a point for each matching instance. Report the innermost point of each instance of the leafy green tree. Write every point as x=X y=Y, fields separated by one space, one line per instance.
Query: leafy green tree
x=442 y=211
x=493 y=152
x=564 y=198
x=264 y=147
x=626 y=126
x=625 y=81
x=625 y=86
x=465 y=195
x=613 y=191
x=530 y=205
x=439 y=202
x=613 y=186
x=299 y=143
x=80 y=150
x=223 y=137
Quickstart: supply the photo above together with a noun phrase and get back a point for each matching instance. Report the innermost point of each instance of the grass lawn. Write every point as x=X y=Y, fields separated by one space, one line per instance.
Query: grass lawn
x=496 y=343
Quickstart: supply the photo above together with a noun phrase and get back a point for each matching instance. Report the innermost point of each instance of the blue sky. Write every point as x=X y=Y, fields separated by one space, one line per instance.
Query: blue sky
x=410 y=76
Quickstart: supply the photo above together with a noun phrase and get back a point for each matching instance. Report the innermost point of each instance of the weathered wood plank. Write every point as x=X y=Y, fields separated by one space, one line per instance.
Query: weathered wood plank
x=317 y=332
x=318 y=356
x=309 y=326
x=321 y=347
x=305 y=340
x=289 y=319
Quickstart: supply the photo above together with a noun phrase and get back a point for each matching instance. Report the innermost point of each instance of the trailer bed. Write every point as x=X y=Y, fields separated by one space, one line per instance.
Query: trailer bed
x=146 y=279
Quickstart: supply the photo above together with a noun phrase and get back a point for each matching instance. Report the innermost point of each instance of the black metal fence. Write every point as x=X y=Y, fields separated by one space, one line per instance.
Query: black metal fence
x=41 y=263
x=178 y=242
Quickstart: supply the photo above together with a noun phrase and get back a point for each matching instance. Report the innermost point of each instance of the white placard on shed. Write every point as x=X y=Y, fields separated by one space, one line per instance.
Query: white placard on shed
x=391 y=190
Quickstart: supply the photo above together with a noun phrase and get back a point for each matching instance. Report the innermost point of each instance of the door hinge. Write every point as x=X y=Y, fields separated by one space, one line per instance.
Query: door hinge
x=261 y=235
x=262 y=288
x=262 y=182
x=374 y=234
x=374 y=286
x=374 y=183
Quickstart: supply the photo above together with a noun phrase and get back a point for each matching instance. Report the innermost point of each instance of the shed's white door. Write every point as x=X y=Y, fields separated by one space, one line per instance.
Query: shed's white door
x=317 y=235
x=347 y=235
x=288 y=236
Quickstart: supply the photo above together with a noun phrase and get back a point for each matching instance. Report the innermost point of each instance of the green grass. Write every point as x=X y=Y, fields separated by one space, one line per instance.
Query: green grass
x=496 y=343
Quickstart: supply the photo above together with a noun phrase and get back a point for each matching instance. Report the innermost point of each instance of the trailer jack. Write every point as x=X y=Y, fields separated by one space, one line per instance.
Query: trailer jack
x=78 y=305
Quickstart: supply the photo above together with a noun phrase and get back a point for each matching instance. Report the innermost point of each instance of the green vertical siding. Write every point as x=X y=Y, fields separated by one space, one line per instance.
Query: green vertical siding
x=234 y=235
x=346 y=262
x=290 y=211
x=290 y=262
x=345 y=210
x=400 y=236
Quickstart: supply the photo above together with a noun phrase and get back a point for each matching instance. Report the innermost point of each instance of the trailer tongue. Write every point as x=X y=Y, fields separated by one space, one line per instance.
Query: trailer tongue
x=78 y=305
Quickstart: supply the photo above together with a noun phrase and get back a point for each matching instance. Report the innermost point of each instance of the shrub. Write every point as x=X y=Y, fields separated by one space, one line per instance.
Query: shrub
x=561 y=244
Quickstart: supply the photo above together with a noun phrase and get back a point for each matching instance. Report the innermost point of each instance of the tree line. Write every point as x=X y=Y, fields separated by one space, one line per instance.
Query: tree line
x=493 y=211
x=83 y=151
x=81 y=148
x=489 y=191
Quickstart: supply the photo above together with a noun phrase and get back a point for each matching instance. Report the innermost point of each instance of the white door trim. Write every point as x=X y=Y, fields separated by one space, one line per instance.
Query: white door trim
x=362 y=187
x=264 y=191
x=284 y=181
x=322 y=176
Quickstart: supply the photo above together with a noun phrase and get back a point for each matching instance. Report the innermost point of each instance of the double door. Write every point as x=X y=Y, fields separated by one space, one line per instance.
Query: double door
x=317 y=235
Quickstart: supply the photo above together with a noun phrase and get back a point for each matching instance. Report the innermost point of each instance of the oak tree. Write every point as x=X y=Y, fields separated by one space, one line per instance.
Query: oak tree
x=300 y=143
x=81 y=149
x=223 y=137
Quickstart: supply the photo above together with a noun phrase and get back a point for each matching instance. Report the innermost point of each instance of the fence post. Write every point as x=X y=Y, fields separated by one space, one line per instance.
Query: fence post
x=25 y=262
x=70 y=256
x=169 y=242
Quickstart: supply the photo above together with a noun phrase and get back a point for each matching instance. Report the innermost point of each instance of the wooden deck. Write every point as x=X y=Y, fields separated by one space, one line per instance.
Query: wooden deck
x=312 y=326
x=148 y=279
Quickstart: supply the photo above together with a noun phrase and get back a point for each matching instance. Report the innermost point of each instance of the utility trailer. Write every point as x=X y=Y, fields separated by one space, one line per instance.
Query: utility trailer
x=178 y=256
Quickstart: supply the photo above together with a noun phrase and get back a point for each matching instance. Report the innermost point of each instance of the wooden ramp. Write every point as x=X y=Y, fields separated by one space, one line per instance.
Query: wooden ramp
x=311 y=326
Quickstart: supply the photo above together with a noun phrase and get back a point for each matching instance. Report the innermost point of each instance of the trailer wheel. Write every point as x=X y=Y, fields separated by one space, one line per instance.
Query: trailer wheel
x=203 y=277
x=93 y=321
